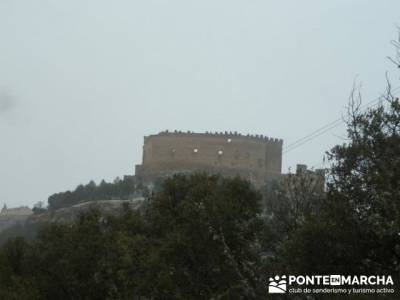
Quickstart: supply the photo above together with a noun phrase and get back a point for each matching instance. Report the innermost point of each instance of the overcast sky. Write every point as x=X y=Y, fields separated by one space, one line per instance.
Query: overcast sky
x=81 y=82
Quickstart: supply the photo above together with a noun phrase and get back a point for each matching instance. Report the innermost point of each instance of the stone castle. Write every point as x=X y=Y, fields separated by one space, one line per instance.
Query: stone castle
x=254 y=157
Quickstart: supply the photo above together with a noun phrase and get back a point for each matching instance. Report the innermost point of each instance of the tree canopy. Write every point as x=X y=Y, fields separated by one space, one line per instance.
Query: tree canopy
x=120 y=189
x=197 y=237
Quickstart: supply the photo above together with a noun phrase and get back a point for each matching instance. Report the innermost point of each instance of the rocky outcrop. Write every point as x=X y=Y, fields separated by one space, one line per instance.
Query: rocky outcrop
x=68 y=214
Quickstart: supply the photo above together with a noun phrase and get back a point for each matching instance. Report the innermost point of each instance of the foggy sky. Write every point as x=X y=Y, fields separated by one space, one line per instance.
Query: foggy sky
x=81 y=82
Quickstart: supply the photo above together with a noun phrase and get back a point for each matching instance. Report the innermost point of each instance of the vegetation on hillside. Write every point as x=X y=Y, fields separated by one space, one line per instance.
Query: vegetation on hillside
x=120 y=189
x=353 y=227
x=195 y=238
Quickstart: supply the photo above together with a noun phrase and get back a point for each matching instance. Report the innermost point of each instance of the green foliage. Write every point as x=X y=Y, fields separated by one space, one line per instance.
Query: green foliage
x=120 y=189
x=15 y=271
x=28 y=232
x=196 y=238
x=353 y=227
x=366 y=178
x=96 y=255
x=206 y=230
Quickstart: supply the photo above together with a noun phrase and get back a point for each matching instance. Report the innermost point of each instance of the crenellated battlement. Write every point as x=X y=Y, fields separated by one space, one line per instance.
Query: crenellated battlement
x=255 y=157
x=219 y=134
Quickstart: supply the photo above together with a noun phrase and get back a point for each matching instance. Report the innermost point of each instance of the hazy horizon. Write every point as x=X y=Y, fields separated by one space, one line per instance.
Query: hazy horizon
x=81 y=82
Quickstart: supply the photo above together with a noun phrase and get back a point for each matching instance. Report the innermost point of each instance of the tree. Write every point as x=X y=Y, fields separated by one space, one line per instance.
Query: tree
x=15 y=269
x=126 y=188
x=196 y=237
x=206 y=230
x=39 y=208
x=356 y=227
x=289 y=205
x=366 y=176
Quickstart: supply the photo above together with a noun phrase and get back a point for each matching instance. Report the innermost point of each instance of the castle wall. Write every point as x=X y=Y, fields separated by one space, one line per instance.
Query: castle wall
x=254 y=157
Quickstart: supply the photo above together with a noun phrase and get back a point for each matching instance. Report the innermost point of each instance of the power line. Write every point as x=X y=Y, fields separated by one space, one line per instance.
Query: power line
x=313 y=135
x=327 y=127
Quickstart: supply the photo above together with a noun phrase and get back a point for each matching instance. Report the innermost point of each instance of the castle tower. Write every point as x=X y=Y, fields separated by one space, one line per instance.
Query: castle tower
x=256 y=158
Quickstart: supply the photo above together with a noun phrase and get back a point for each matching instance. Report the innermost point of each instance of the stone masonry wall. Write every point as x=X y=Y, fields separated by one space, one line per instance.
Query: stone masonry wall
x=256 y=158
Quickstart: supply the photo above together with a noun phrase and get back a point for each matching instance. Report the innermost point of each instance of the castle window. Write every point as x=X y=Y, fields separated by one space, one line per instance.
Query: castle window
x=195 y=150
x=220 y=152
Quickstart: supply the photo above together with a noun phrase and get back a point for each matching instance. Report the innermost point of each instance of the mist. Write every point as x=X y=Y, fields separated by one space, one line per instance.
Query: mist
x=84 y=81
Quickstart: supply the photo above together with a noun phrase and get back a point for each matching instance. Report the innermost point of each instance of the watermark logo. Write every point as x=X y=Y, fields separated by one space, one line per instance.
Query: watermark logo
x=277 y=285
x=332 y=284
x=335 y=280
